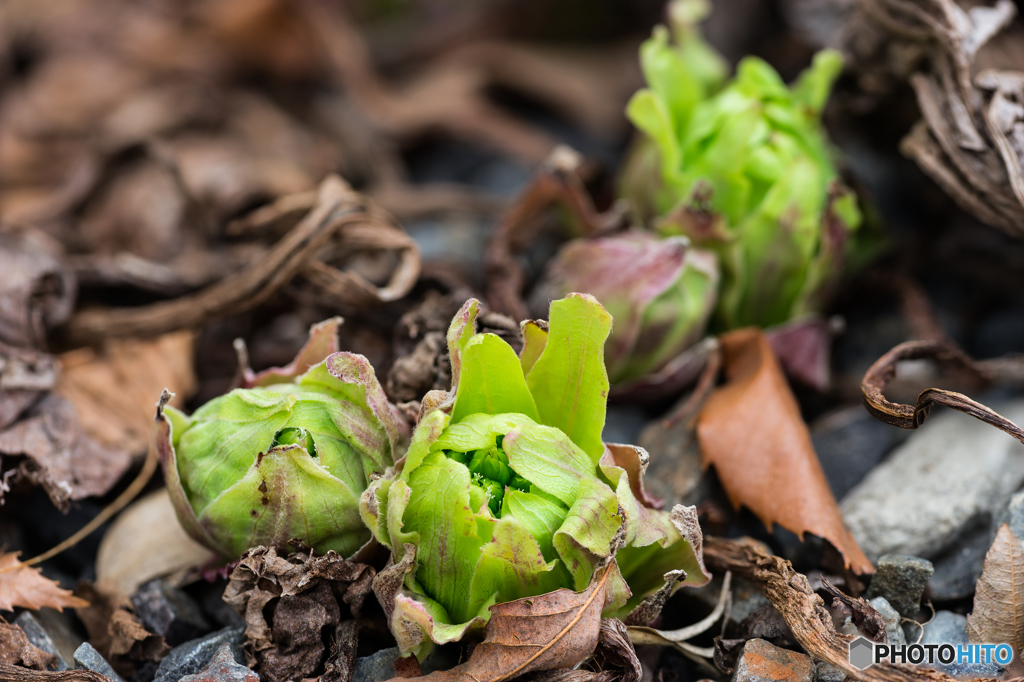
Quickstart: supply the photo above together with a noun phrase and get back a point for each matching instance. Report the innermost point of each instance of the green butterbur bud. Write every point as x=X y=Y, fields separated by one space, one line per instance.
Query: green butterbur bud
x=507 y=490
x=743 y=169
x=286 y=458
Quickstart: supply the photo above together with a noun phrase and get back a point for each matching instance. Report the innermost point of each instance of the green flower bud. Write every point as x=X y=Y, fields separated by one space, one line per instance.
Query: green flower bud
x=744 y=169
x=507 y=490
x=284 y=460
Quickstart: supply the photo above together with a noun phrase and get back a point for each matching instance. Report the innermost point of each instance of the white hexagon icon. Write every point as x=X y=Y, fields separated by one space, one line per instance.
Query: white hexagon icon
x=862 y=653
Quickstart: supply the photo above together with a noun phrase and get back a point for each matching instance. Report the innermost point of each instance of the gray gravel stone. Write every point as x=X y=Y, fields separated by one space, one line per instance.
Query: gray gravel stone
x=1012 y=514
x=850 y=443
x=167 y=611
x=958 y=568
x=223 y=668
x=951 y=628
x=953 y=471
x=901 y=580
x=40 y=638
x=376 y=667
x=826 y=672
x=192 y=656
x=762 y=661
x=88 y=658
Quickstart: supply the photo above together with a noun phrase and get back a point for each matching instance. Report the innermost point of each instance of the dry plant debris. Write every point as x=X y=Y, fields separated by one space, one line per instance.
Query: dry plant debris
x=26 y=587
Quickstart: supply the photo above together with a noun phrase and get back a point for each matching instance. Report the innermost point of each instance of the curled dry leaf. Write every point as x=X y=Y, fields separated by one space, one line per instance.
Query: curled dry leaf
x=912 y=416
x=26 y=587
x=307 y=592
x=554 y=630
x=112 y=387
x=338 y=219
x=37 y=292
x=145 y=542
x=114 y=629
x=751 y=430
x=615 y=653
x=998 y=614
x=968 y=140
x=49 y=447
x=15 y=649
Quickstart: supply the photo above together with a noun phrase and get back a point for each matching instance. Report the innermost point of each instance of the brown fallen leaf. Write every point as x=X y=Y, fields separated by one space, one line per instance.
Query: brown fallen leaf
x=15 y=673
x=998 y=615
x=751 y=430
x=15 y=649
x=284 y=642
x=37 y=292
x=49 y=447
x=145 y=542
x=25 y=375
x=114 y=629
x=555 y=630
x=112 y=388
x=26 y=587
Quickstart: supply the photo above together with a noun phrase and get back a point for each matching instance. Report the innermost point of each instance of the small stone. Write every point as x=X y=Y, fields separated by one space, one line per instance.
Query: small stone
x=951 y=628
x=223 y=668
x=762 y=661
x=41 y=639
x=88 y=658
x=893 y=631
x=952 y=472
x=850 y=443
x=167 y=611
x=958 y=568
x=901 y=580
x=190 y=657
x=376 y=667
x=826 y=672
x=1013 y=515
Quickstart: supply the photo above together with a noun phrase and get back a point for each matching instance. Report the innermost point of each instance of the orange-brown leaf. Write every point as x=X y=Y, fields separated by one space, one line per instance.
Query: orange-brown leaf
x=26 y=587
x=112 y=389
x=751 y=430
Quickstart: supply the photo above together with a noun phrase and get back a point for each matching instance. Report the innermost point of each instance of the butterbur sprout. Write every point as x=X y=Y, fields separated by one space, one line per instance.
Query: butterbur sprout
x=508 y=491
x=285 y=458
x=743 y=168
x=660 y=292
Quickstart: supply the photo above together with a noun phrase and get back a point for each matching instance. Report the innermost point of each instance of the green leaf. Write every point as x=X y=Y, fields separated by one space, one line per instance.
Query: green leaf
x=539 y=516
x=491 y=380
x=449 y=546
x=548 y=459
x=512 y=565
x=585 y=537
x=569 y=382
x=461 y=330
x=535 y=338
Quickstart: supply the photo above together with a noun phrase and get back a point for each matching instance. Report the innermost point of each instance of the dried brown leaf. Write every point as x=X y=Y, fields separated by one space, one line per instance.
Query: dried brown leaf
x=751 y=430
x=307 y=592
x=15 y=649
x=37 y=292
x=998 y=614
x=114 y=629
x=864 y=615
x=112 y=388
x=554 y=630
x=25 y=375
x=26 y=587
x=58 y=454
